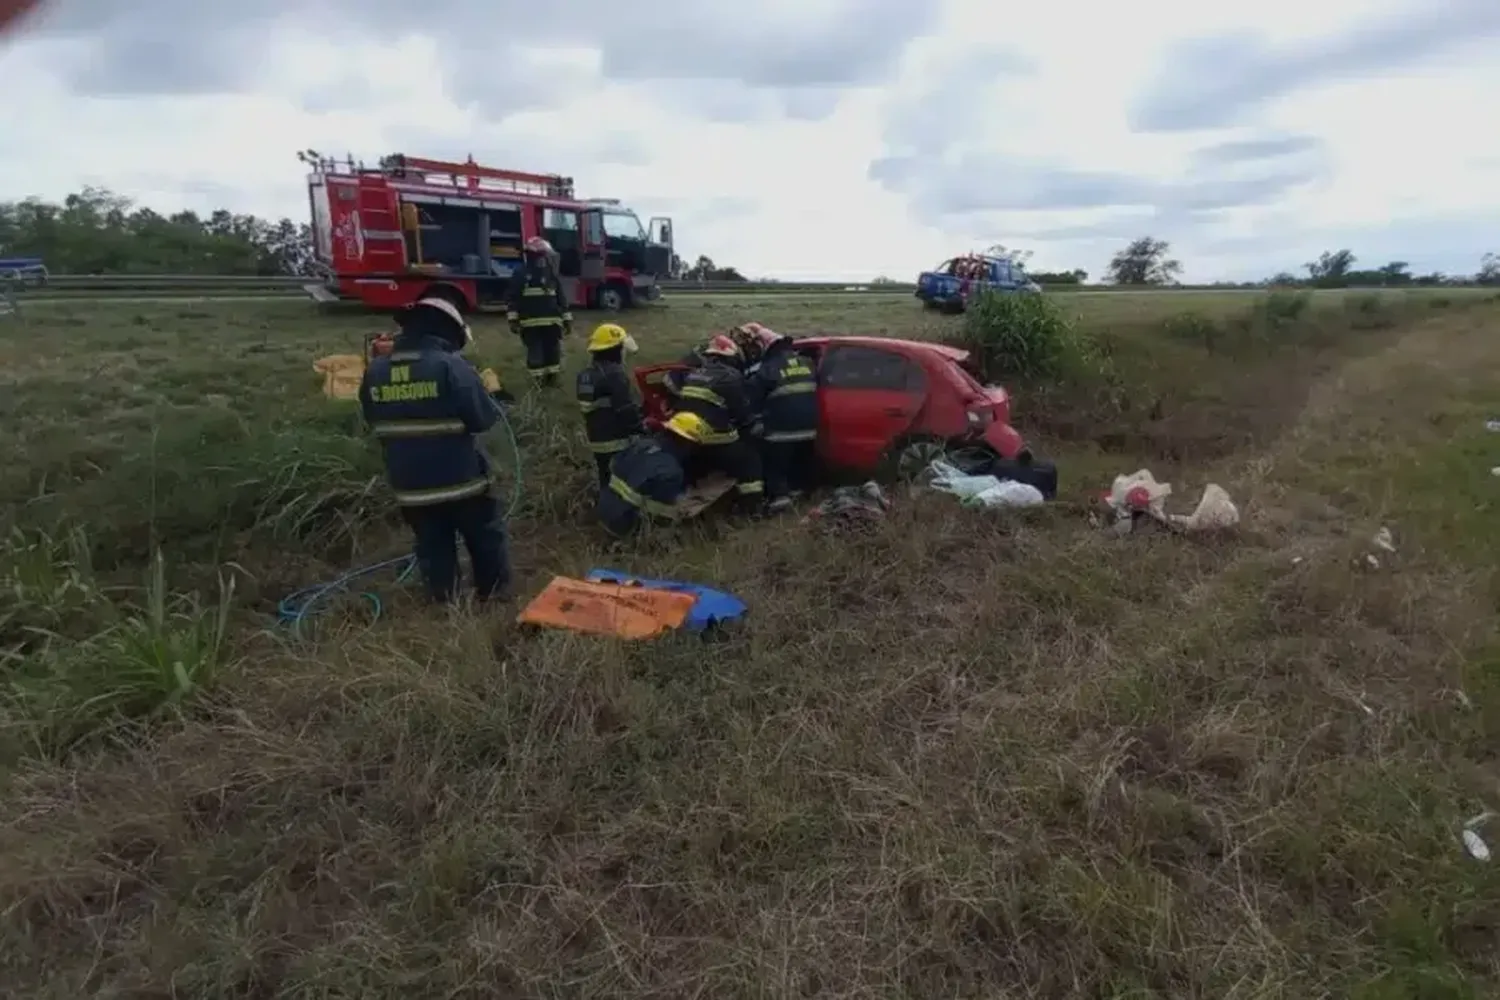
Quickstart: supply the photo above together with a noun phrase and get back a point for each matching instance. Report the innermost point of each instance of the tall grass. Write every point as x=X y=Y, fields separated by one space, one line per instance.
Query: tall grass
x=79 y=664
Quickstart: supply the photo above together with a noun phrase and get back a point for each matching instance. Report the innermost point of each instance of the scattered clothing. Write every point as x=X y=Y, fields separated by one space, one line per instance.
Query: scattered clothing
x=856 y=508
x=1138 y=498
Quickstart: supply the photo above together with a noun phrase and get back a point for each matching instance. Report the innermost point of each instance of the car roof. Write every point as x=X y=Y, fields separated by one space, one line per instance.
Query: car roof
x=891 y=344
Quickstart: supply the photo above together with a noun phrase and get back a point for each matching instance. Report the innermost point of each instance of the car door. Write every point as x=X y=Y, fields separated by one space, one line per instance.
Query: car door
x=868 y=397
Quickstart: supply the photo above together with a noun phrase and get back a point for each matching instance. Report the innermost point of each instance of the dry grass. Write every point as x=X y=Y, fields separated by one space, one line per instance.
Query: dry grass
x=973 y=755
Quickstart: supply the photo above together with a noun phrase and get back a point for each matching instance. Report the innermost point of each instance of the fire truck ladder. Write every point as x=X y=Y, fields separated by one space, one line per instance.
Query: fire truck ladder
x=470 y=176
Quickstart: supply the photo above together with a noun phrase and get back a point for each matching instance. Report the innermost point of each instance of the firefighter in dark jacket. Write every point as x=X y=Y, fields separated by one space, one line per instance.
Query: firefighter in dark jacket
x=611 y=414
x=537 y=310
x=648 y=478
x=716 y=391
x=784 y=391
x=426 y=403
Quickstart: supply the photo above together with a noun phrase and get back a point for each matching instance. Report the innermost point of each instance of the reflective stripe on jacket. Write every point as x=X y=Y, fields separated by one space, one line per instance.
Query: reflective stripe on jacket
x=785 y=389
x=611 y=416
x=425 y=404
x=644 y=479
x=716 y=392
x=535 y=298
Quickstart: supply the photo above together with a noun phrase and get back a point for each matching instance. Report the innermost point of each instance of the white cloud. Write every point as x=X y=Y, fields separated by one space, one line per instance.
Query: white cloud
x=778 y=180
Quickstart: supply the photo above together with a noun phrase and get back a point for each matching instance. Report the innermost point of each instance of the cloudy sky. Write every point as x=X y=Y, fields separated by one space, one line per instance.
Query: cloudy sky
x=814 y=138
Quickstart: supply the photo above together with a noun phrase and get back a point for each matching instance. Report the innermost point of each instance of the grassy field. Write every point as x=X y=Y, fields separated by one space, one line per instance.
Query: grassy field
x=975 y=754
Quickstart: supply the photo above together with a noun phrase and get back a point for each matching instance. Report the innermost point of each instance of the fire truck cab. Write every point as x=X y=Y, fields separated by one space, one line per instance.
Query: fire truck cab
x=410 y=228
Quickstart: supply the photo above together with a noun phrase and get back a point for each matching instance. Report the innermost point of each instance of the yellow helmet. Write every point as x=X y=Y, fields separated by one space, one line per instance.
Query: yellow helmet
x=610 y=335
x=689 y=426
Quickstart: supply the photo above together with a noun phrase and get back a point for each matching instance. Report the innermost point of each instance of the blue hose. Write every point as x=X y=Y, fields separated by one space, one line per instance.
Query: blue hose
x=294 y=609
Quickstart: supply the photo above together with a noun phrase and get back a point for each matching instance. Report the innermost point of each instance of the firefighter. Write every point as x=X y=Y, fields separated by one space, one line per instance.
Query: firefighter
x=784 y=391
x=611 y=414
x=649 y=477
x=716 y=391
x=426 y=403
x=746 y=336
x=537 y=309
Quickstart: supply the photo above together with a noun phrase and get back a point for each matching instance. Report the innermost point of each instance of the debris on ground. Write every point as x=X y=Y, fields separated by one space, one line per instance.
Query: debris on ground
x=710 y=607
x=612 y=609
x=1139 y=500
x=1493 y=426
x=982 y=490
x=1473 y=842
x=851 y=507
x=1383 y=541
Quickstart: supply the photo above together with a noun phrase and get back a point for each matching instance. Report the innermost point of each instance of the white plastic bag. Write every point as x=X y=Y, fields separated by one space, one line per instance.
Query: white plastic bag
x=949 y=478
x=1007 y=493
x=1215 y=512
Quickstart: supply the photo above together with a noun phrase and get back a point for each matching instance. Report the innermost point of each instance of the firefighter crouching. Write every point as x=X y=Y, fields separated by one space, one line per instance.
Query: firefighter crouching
x=611 y=414
x=426 y=403
x=784 y=390
x=716 y=391
x=648 y=478
x=537 y=310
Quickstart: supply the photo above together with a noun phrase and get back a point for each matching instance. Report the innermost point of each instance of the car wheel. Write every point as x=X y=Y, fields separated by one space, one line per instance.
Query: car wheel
x=911 y=458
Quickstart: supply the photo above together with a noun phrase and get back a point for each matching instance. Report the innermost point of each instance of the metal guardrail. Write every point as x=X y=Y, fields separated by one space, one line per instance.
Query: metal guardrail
x=67 y=285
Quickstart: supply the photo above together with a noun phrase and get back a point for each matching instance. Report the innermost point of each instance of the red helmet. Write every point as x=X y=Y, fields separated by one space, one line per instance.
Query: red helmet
x=723 y=347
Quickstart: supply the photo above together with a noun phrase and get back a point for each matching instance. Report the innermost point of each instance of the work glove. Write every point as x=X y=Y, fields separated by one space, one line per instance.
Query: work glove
x=757 y=429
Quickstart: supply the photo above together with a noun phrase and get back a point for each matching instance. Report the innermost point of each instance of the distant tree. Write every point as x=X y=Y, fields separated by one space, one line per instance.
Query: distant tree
x=704 y=269
x=1283 y=278
x=1331 y=268
x=1397 y=272
x=1144 y=262
x=1489 y=270
x=1001 y=250
x=883 y=280
x=96 y=231
x=1077 y=276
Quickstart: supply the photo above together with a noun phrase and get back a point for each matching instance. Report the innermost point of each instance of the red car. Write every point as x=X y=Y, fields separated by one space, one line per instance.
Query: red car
x=893 y=404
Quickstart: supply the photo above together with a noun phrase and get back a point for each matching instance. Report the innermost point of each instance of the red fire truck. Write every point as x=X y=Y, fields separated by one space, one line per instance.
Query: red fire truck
x=408 y=228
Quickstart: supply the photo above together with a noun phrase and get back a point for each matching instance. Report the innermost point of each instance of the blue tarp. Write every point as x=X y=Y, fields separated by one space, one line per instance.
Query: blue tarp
x=712 y=606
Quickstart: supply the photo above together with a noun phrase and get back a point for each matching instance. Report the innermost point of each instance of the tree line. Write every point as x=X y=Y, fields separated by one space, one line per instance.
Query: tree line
x=1149 y=261
x=96 y=231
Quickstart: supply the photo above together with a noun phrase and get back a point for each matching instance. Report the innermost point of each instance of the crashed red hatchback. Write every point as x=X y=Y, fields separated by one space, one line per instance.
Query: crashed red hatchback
x=896 y=404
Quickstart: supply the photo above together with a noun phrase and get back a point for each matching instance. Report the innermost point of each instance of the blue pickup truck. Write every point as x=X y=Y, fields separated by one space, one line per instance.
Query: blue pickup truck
x=950 y=285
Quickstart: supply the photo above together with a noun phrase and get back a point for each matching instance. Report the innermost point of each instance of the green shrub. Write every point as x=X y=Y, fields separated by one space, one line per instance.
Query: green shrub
x=1194 y=328
x=1025 y=336
x=1369 y=311
x=144 y=661
x=1281 y=309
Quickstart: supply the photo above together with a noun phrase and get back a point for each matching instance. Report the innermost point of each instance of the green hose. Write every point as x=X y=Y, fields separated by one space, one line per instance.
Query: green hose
x=296 y=608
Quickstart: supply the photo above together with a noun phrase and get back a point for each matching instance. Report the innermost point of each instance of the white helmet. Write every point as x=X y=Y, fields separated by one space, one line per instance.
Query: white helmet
x=451 y=311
